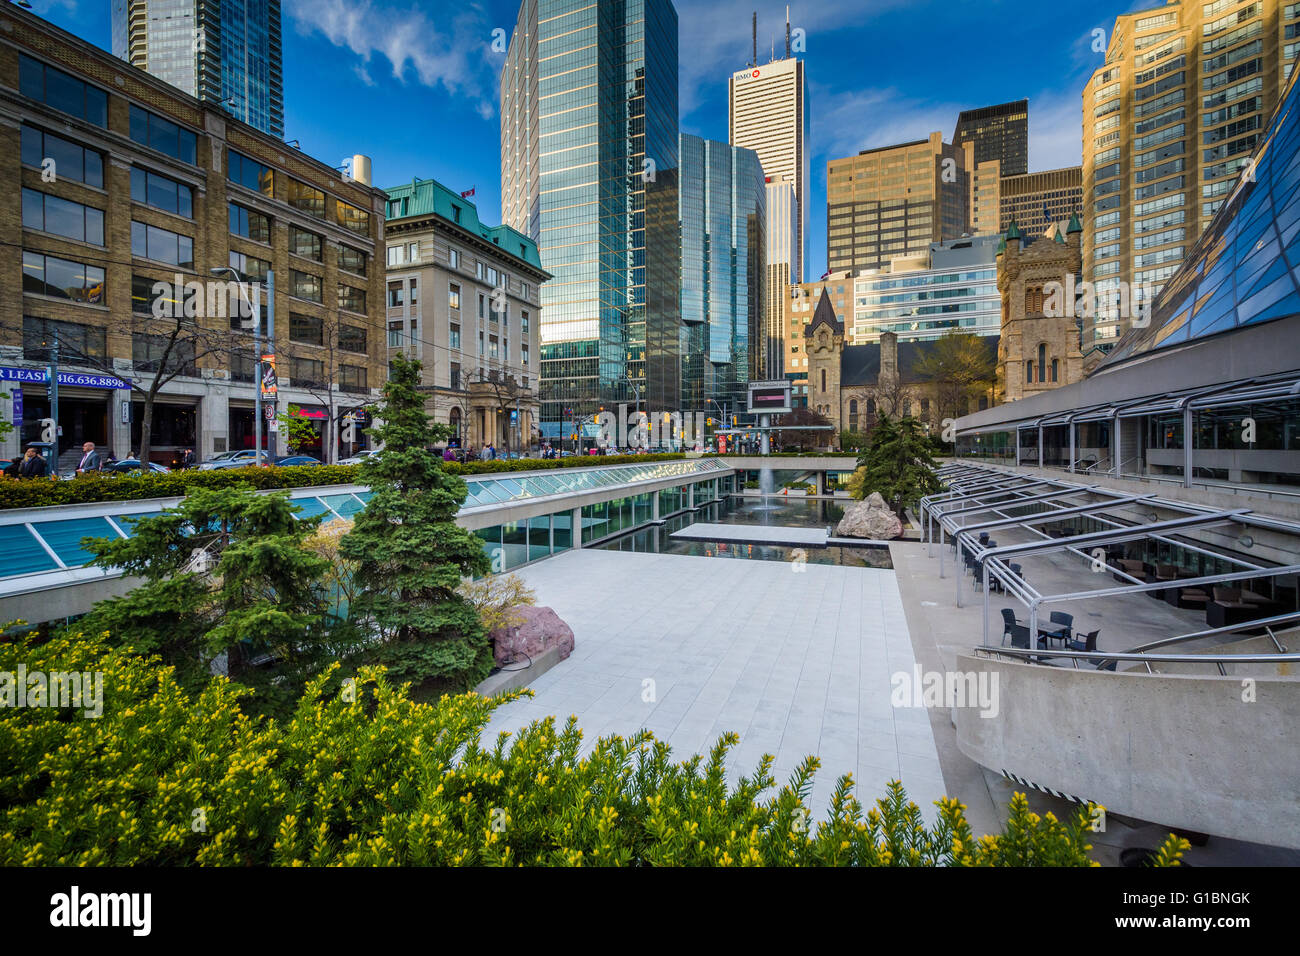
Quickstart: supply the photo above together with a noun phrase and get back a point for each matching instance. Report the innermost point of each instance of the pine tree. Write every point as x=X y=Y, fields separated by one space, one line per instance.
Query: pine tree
x=225 y=573
x=899 y=463
x=410 y=554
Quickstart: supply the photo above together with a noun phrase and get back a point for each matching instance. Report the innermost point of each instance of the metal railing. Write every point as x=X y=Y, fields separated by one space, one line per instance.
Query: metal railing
x=1142 y=653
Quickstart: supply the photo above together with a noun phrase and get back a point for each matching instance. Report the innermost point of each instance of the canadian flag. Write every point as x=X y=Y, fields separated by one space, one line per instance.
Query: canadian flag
x=467 y=193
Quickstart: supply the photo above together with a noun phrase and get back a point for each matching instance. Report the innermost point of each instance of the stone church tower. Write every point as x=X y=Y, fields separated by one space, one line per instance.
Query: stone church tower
x=1039 y=345
x=824 y=344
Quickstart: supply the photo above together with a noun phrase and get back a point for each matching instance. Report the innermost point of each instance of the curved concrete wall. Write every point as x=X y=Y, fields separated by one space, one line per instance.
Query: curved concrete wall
x=1183 y=751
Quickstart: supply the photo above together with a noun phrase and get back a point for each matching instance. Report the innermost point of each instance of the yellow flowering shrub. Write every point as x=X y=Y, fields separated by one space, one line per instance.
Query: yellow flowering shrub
x=370 y=777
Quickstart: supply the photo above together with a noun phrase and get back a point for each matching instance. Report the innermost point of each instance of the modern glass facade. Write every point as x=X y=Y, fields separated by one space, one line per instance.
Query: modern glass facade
x=959 y=291
x=223 y=51
x=603 y=86
x=722 y=207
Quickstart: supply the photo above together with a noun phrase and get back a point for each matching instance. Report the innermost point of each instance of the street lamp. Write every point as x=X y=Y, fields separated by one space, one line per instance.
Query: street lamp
x=244 y=280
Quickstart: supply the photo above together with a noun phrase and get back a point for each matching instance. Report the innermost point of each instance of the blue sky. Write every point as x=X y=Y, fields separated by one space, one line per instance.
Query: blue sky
x=412 y=84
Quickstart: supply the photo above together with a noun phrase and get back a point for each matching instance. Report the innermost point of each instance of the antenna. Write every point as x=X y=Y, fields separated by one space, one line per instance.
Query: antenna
x=755 y=34
x=787 y=31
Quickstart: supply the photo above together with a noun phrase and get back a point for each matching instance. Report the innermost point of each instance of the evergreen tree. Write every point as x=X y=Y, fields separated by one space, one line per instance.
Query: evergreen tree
x=899 y=463
x=410 y=554
x=225 y=573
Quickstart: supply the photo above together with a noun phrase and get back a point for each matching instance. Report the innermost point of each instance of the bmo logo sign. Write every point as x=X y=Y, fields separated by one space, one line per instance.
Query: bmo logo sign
x=754 y=74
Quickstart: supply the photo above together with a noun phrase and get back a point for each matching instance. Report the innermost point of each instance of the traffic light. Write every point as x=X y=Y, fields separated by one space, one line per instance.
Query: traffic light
x=734 y=419
x=708 y=421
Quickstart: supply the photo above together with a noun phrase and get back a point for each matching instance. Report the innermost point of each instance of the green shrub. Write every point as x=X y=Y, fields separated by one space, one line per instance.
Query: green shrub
x=370 y=777
x=90 y=488
x=800 y=486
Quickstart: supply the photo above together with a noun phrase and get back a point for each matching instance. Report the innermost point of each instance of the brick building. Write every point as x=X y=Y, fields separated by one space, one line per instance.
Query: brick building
x=123 y=182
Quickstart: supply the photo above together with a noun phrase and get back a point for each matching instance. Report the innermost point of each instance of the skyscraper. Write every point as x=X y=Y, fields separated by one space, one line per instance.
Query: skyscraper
x=1170 y=121
x=722 y=206
x=222 y=51
x=784 y=267
x=589 y=170
x=769 y=114
x=894 y=201
x=998 y=133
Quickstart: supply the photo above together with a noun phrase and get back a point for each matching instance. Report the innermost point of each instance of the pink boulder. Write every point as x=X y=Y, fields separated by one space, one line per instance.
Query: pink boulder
x=538 y=629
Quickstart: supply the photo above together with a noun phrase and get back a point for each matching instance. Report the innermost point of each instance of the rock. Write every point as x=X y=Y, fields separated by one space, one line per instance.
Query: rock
x=871 y=518
x=538 y=629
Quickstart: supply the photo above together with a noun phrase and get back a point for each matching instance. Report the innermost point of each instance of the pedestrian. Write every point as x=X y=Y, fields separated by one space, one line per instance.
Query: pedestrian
x=32 y=465
x=187 y=459
x=448 y=454
x=90 y=460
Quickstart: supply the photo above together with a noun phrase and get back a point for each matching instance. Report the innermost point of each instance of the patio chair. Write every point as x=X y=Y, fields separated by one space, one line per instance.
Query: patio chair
x=1130 y=566
x=984 y=537
x=1089 y=642
x=1195 y=598
x=1008 y=622
x=1061 y=630
x=1228 y=608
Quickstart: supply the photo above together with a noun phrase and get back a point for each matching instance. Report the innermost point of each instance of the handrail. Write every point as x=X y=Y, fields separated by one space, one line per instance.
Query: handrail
x=1104 y=656
x=1266 y=622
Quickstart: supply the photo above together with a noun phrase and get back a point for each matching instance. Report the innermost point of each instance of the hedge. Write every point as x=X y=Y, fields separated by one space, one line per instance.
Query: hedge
x=35 y=493
x=370 y=777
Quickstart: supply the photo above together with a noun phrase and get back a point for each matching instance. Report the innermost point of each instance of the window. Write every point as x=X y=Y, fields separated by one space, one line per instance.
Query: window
x=161 y=245
x=454 y=337
x=308 y=329
x=148 y=351
x=395 y=331
x=414 y=292
x=482 y=306
x=396 y=255
x=1029 y=372
x=78 y=344
x=523 y=355
x=454 y=368
x=307 y=244
x=395 y=295
x=353 y=300
x=455 y=213
x=62 y=217
x=352 y=260
x=163 y=135
x=307 y=373
x=523 y=322
x=62 y=91
x=853 y=414
x=453 y=258
x=62 y=278
x=412 y=251
x=1054 y=368
x=352 y=339
x=352 y=378
x=823 y=380
x=249 y=173
x=304 y=285
x=354 y=219
x=306 y=198
x=453 y=296
x=158 y=191
x=1042 y=363
x=250 y=266
x=249 y=224
x=70 y=160
x=480 y=342
x=241 y=367
x=493 y=351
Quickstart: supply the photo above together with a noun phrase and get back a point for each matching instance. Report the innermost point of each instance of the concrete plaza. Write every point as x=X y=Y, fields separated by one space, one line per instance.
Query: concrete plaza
x=796 y=662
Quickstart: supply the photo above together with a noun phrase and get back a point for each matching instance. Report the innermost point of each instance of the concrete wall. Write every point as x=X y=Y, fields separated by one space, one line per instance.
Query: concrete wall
x=1181 y=751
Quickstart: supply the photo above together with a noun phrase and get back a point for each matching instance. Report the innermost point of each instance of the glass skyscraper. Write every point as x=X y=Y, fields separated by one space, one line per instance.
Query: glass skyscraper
x=222 y=51
x=589 y=171
x=723 y=211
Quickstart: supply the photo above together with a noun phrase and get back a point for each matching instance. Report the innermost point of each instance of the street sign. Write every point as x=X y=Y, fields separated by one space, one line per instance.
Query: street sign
x=268 y=411
x=268 y=377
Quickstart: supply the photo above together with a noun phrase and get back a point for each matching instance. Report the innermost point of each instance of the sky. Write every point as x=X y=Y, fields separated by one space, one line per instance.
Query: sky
x=413 y=84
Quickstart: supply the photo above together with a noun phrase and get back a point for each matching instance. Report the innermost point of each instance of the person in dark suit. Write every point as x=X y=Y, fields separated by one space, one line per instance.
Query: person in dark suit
x=90 y=460
x=32 y=465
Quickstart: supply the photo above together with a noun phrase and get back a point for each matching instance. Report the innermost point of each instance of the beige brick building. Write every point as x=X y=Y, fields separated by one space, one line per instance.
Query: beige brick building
x=121 y=182
x=465 y=300
x=1039 y=347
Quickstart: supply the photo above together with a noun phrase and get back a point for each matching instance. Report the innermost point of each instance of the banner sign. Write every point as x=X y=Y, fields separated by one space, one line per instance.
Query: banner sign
x=268 y=376
x=17 y=395
x=76 y=379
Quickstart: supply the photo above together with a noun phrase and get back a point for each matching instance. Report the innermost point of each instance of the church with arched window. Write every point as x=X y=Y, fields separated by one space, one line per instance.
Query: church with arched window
x=1039 y=345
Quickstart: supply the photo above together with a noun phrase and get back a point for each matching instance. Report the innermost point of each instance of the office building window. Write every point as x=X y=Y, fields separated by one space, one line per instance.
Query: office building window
x=396 y=295
x=352 y=260
x=352 y=339
x=307 y=373
x=453 y=296
x=304 y=285
x=62 y=278
x=306 y=198
x=158 y=191
x=250 y=266
x=354 y=219
x=249 y=224
x=249 y=173
x=62 y=91
x=306 y=244
x=453 y=258
x=453 y=337
x=77 y=343
x=308 y=329
x=353 y=300
x=62 y=217
x=163 y=135
x=352 y=378
x=161 y=245
x=70 y=161
x=415 y=295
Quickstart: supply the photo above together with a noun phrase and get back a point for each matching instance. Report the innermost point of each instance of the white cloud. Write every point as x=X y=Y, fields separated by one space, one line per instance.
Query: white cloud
x=453 y=52
x=1055 y=130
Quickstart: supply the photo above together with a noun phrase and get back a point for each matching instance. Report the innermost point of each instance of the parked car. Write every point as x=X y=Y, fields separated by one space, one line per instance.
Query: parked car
x=231 y=459
x=359 y=457
x=129 y=465
x=288 y=461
